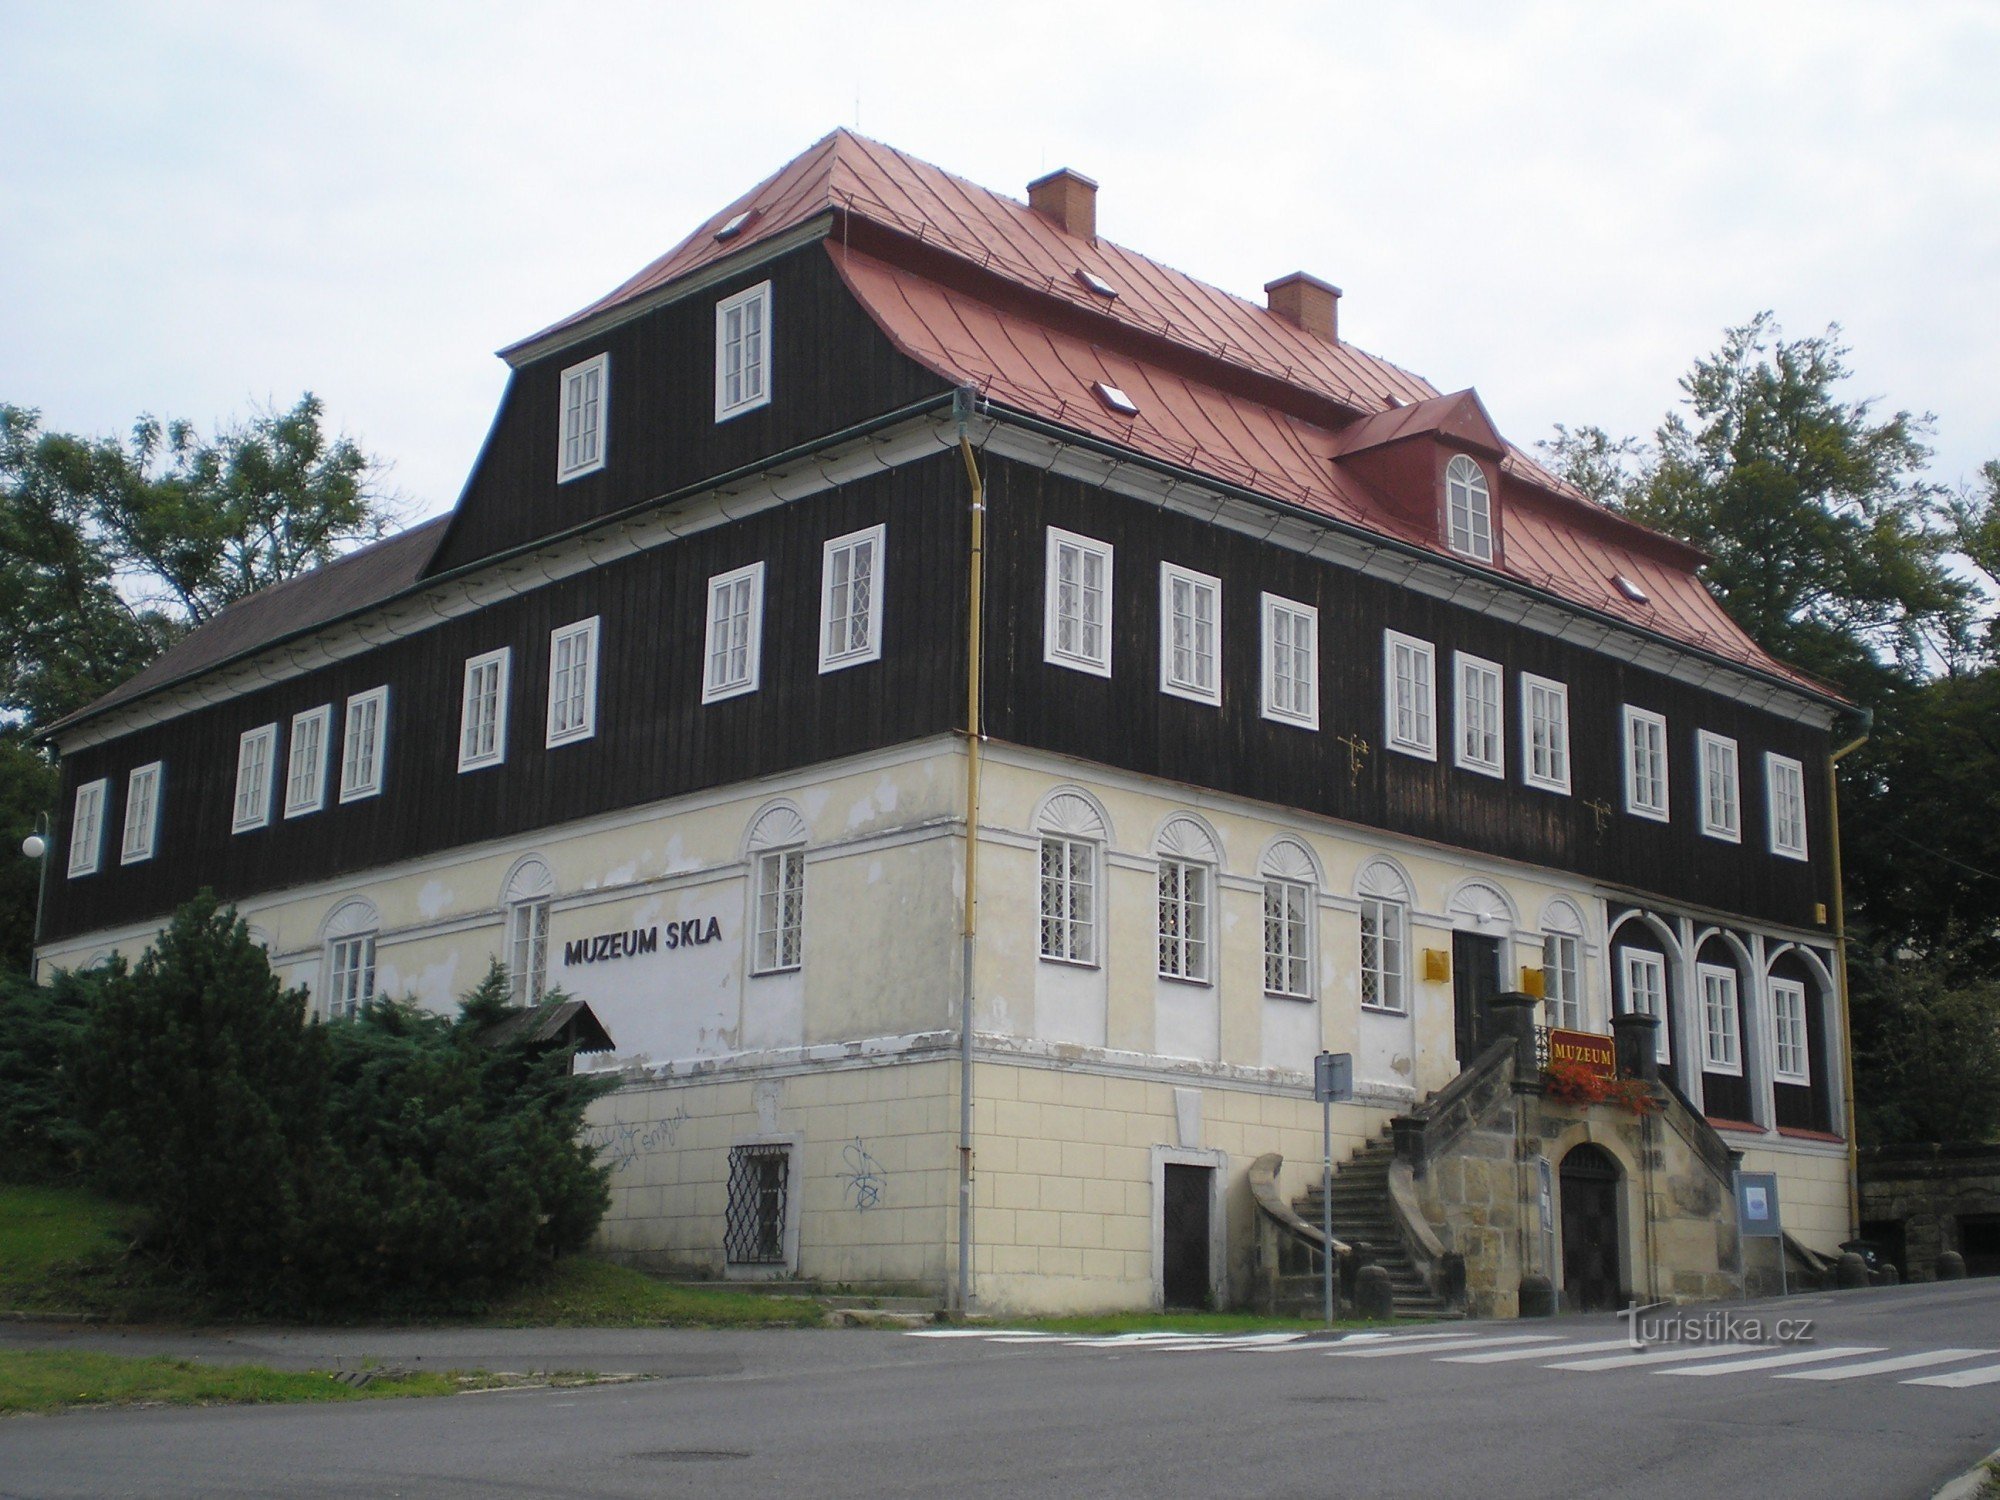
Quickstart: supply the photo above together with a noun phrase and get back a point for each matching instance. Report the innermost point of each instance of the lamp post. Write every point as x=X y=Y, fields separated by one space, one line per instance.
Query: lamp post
x=36 y=847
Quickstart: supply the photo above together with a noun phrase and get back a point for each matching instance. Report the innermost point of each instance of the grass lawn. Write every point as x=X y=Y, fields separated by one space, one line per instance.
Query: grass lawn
x=62 y=1250
x=46 y=1380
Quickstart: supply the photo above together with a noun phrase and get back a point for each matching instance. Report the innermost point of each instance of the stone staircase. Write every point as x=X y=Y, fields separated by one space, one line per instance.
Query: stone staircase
x=1363 y=1219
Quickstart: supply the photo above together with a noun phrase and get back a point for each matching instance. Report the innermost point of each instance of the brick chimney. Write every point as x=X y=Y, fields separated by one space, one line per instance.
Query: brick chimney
x=1307 y=301
x=1069 y=198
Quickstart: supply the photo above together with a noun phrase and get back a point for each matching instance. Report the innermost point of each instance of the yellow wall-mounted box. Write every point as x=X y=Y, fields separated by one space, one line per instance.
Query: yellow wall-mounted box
x=1437 y=965
x=1534 y=982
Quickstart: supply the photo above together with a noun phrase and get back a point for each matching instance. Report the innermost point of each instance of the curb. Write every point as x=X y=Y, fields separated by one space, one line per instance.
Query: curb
x=1974 y=1481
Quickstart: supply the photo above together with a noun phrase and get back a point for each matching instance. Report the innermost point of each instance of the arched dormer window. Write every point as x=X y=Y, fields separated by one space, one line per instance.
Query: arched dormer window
x=1290 y=881
x=1469 y=509
x=1072 y=832
x=778 y=866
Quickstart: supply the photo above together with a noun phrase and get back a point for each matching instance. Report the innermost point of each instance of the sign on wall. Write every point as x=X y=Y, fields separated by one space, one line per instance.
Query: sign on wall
x=1599 y=1054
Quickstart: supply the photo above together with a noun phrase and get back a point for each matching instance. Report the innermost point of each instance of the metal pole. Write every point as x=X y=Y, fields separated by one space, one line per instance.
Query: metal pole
x=1326 y=1207
x=973 y=707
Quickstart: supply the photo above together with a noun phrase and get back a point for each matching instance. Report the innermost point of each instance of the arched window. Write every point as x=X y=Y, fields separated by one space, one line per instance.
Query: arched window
x=529 y=893
x=778 y=866
x=1385 y=924
x=1562 y=964
x=1072 y=832
x=348 y=961
x=1290 y=878
x=1470 y=507
x=1188 y=859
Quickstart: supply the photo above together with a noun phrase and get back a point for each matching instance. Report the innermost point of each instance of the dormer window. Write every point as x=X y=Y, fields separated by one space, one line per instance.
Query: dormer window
x=584 y=389
x=1469 y=509
x=742 y=352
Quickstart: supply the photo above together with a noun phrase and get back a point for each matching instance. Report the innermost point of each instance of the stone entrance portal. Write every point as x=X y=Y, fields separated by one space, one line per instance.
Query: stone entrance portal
x=1589 y=1180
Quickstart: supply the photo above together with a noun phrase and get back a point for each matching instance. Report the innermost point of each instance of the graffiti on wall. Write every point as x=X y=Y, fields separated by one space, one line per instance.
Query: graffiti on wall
x=618 y=1146
x=863 y=1176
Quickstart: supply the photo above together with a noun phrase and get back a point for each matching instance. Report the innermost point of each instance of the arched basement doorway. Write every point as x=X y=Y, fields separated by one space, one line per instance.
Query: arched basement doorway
x=1590 y=1230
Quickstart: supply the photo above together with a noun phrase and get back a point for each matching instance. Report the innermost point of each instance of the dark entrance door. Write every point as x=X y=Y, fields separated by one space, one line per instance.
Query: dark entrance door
x=1475 y=979
x=1184 y=1243
x=1590 y=1230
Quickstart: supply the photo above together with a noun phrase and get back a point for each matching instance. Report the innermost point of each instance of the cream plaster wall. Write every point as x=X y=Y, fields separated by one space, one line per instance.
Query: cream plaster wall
x=1812 y=1191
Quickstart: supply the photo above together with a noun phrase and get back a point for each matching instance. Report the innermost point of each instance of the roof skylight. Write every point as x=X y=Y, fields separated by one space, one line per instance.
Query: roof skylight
x=734 y=227
x=1116 y=399
x=1096 y=283
x=1630 y=589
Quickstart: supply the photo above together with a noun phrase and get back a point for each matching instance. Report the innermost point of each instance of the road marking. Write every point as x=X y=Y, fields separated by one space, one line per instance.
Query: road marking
x=1887 y=1366
x=1501 y=1356
x=1776 y=1361
x=1657 y=1357
x=1959 y=1379
x=1438 y=1346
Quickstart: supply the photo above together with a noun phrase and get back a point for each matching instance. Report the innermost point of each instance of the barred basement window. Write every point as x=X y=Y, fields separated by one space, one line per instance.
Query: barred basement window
x=759 y=1187
x=1069 y=900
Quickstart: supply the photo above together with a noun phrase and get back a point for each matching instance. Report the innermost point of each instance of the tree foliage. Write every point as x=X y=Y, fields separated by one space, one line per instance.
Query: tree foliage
x=40 y=1139
x=1926 y=1051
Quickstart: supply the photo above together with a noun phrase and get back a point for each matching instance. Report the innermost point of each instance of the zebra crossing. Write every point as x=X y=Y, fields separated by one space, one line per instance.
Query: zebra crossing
x=1972 y=1368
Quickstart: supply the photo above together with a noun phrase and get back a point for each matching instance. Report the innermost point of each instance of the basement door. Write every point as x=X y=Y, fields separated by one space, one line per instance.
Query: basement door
x=1590 y=1230
x=1475 y=979
x=1184 y=1241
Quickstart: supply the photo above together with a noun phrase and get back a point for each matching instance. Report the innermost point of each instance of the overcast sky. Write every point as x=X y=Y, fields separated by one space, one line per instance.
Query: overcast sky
x=209 y=207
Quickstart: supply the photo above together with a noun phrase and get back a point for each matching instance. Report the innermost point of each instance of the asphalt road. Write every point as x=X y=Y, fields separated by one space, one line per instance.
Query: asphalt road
x=868 y=1413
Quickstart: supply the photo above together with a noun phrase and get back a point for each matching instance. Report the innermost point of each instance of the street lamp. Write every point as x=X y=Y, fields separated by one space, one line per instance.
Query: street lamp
x=36 y=847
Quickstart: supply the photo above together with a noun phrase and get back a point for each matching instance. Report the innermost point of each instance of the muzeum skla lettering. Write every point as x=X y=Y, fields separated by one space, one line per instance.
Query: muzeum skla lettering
x=607 y=946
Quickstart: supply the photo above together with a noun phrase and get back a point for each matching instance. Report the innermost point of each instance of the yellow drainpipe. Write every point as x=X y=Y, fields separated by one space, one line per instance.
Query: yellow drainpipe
x=1840 y=969
x=971 y=918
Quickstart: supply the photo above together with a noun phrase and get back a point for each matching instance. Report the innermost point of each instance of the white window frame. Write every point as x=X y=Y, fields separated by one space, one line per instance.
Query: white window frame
x=1545 y=764
x=310 y=732
x=1420 y=739
x=1791 y=1050
x=718 y=685
x=1785 y=805
x=583 y=635
x=760 y=296
x=142 y=814
x=574 y=399
x=1068 y=902
x=1389 y=972
x=875 y=539
x=373 y=754
x=1468 y=672
x=86 y=828
x=256 y=755
x=1464 y=476
x=1288 y=939
x=474 y=723
x=1054 y=617
x=1721 y=1047
x=528 y=949
x=1291 y=669
x=1710 y=748
x=1633 y=961
x=778 y=942
x=1185 y=890
x=1562 y=979
x=1645 y=738
x=350 y=975
x=1189 y=684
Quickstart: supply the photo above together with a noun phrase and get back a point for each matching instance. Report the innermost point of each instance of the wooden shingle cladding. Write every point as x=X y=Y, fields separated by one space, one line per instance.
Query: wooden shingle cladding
x=831 y=368
x=1126 y=721
x=655 y=739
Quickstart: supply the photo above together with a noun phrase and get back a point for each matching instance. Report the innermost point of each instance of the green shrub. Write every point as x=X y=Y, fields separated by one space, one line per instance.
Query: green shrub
x=40 y=1139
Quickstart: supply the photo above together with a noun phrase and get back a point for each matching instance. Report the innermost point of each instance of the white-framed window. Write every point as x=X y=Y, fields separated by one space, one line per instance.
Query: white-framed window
x=1190 y=634
x=1076 y=609
x=1069 y=899
x=528 y=950
x=1545 y=731
x=350 y=975
x=1183 y=919
x=1384 y=944
x=1562 y=979
x=781 y=910
x=142 y=814
x=364 y=745
x=305 y=770
x=586 y=398
x=1721 y=1043
x=1785 y=796
x=735 y=647
x=1646 y=994
x=743 y=351
x=1410 y=681
x=254 y=753
x=86 y=829
x=1645 y=763
x=1481 y=735
x=572 y=683
x=1788 y=1017
x=482 y=721
x=1469 y=506
x=1288 y=908
x=1721 y=804
x=850 y=593
x=1291 y=662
